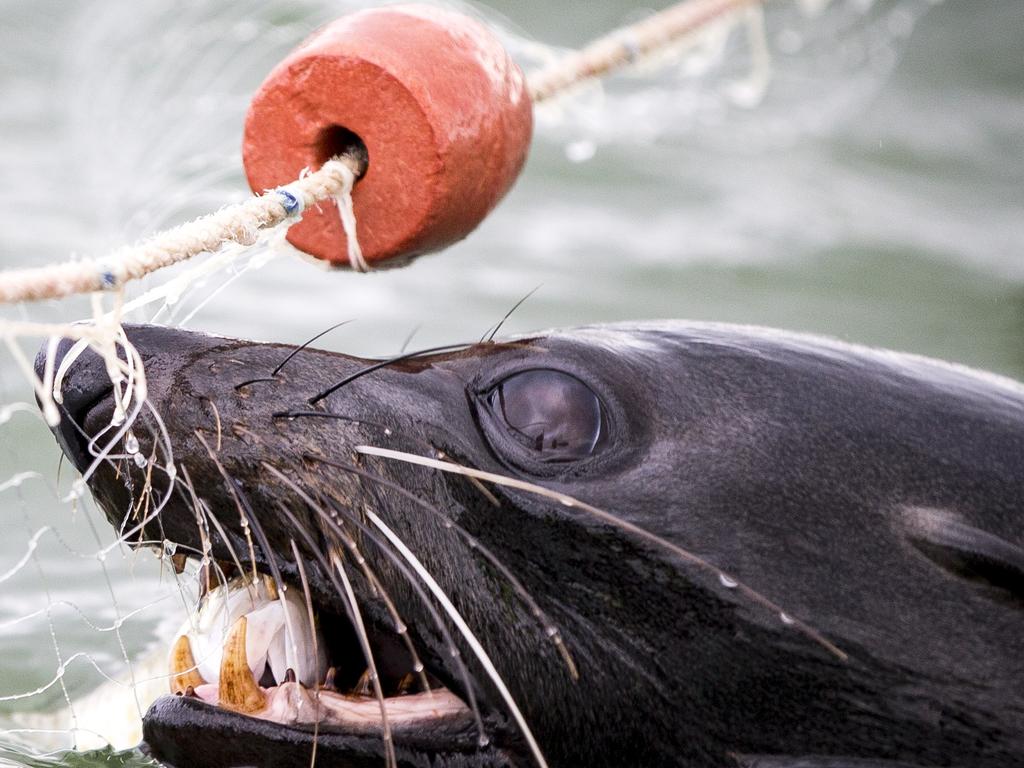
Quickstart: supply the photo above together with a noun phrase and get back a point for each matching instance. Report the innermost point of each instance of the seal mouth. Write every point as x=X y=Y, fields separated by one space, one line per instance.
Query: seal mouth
x=252 y=650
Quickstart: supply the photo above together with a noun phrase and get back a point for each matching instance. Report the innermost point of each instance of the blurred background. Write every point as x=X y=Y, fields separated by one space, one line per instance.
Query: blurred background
x=872 y=188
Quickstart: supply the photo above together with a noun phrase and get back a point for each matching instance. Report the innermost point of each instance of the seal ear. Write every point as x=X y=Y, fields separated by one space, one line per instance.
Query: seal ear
x=966 y=551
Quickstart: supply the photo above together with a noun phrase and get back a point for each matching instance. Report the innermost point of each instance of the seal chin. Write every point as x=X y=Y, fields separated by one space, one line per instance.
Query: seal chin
x=182 y=731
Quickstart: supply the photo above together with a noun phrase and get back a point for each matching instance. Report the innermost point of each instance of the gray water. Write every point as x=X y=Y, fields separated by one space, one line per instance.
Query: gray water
x=875 y=195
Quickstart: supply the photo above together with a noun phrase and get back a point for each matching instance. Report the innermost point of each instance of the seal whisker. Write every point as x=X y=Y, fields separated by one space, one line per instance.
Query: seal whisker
x=607 y=517
x=202 y=527
x=398 y=563
x=352 y=609
x=400 y=626
x=467 y=634
x=311 y=616
x=216 y=418
x=387 y=430
x=550 y=630
x=212 y=519
x=364 y=641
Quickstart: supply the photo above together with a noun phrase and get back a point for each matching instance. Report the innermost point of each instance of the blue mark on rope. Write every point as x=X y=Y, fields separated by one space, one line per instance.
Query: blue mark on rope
x=108 y=280
x=292 y=204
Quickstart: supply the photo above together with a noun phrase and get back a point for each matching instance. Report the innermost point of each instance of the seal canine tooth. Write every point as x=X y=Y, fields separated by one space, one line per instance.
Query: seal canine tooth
x=239 y=690
x=184 y=674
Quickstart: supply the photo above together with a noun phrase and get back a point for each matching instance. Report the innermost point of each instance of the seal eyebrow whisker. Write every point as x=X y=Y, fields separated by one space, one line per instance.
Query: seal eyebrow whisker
x=467 y=634
x=550 y=629
x=610 y=519
x=384 y=364
x=293 y=353
x=490 y=333
x=399 y=565
x=305 y=344
x=409 y=338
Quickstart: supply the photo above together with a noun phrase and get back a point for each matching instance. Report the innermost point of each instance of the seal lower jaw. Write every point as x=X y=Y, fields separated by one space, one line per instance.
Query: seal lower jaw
x=255 y=659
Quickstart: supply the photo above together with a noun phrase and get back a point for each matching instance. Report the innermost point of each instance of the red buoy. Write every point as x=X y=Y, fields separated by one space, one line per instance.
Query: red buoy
x=439 y=105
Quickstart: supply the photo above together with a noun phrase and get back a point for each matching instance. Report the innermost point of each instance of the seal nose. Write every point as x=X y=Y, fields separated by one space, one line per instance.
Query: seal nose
x=86 y=383
x=83 y=385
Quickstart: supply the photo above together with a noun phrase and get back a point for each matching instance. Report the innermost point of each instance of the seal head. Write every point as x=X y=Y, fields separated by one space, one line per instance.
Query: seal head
x=785 y=551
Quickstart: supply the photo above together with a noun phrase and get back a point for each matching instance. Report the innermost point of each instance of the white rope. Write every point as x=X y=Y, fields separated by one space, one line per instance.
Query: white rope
x=239 y=223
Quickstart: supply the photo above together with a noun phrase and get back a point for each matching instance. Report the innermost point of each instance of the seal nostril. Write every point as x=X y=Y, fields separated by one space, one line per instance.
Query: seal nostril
x=84 y=384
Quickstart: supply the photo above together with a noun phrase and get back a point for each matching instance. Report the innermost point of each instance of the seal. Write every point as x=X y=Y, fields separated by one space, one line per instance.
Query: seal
x=708 y=546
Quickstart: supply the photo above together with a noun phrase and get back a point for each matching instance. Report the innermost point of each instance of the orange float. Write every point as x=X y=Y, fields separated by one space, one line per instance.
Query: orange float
x=439 y=106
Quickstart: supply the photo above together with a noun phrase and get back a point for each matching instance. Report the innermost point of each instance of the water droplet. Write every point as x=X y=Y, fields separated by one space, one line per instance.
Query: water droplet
x=131 y=443
x=387 y=432
x=727 y=581
x=785 y=618
x=77 y=490
x=483 y=741
x=170 y=547
x=140 y=460
x=401 y=628
x=172 y=472
x=417 y=667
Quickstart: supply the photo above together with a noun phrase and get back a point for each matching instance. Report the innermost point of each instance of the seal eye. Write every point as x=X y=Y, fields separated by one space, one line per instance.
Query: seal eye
x=552 y=413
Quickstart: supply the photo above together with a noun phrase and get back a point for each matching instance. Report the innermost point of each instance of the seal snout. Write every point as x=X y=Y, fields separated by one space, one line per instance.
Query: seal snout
x=79 y=388
x=82 y=382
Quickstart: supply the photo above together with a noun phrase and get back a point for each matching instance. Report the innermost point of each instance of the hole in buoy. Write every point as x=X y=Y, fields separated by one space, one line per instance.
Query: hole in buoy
x=338 y=140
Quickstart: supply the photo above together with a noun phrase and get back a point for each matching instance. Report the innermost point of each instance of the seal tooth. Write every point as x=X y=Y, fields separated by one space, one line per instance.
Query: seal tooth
x=329 y=679
x=271 y=586
x=364 y=687
x=184 y=674
x=406 y=683
x=239 y=690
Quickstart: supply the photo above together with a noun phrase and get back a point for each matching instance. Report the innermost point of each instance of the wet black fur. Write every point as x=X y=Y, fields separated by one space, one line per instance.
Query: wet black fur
x=803 y=467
